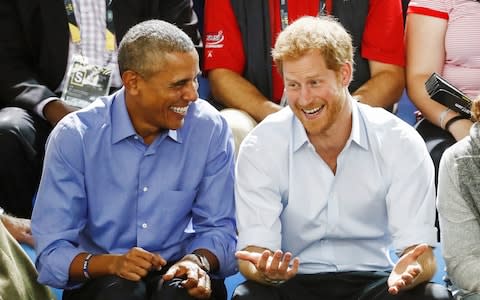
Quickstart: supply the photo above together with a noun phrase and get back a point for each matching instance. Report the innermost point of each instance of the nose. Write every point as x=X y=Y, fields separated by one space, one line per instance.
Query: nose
x=305 y=95
x=191 y=91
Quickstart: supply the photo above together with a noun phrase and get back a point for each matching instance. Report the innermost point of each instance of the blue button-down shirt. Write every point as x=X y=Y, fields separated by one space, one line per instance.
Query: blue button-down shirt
x=103 y=190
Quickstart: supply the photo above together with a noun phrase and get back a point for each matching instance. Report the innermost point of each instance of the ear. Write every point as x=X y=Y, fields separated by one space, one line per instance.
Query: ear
x=346 y=72
x=131 y=82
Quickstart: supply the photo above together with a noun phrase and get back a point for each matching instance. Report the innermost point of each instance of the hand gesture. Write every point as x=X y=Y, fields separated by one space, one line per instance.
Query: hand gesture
x=19 y=228
x=406 y=269
x=274 y=267
x=136 y=263
x=197 y=282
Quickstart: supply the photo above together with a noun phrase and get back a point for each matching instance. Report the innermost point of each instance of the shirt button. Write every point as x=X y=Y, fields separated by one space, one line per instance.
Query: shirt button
x=144 y=225
x=135 y=137
x=145 y=188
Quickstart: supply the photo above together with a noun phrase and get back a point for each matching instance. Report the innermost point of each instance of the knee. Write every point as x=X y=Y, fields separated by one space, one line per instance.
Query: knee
x=13 y=119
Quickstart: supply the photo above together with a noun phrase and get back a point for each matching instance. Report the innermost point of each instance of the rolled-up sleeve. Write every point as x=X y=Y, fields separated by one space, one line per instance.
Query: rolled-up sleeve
x=59 y=212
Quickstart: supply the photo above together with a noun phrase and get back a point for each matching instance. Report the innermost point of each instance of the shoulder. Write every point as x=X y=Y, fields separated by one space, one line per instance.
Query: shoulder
x=435 y=5
x=83 y=122
x=459 y=150
x=272 y=135
x=391 y=132
x=202 y=113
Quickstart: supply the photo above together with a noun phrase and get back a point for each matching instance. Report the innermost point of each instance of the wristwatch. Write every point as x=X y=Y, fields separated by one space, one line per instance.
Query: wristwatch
x=204 y=264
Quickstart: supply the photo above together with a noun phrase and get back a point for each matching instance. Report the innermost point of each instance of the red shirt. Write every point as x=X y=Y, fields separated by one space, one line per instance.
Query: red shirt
x=382 y=39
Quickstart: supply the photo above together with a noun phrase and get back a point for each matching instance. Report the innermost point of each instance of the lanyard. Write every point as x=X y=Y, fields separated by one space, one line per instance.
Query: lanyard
x=75 y=30
x=323 y=9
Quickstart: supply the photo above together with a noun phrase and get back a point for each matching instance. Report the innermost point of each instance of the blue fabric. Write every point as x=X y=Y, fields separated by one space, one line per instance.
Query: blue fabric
x=31 y=253
x=105 y=191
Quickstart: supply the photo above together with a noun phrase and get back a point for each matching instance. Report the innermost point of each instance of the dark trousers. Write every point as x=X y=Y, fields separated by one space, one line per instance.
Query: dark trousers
x=152 y=287
x=337 y=286
x=22 y=142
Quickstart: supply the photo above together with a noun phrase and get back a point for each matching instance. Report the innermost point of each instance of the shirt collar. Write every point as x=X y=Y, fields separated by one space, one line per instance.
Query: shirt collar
x=357 y=135
x=122 y=126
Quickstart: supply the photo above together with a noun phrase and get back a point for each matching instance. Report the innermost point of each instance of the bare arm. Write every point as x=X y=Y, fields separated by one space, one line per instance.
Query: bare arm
x=425 y=38
x=234 y=91
x=133 y=265
x=55 y=110
x=385 y=86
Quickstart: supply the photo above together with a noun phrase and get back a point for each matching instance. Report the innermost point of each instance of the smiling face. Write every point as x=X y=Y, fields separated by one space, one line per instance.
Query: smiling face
x=160 y=100
x=317 y=95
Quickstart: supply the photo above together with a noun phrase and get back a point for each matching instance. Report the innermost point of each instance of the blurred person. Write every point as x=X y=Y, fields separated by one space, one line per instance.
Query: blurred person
x=317 y=217
x=443 y=36
x=138 y=186
x=18 y=277
x=459 y=211
x=240 y=34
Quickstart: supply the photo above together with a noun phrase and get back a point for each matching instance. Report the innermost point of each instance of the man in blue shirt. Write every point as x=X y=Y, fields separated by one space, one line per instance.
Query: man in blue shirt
x=136 y=196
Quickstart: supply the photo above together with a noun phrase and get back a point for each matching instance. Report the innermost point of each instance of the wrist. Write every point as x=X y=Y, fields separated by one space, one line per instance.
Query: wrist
x=86 y=262
x=200 y=260
x=451 y=121
x=442 y=117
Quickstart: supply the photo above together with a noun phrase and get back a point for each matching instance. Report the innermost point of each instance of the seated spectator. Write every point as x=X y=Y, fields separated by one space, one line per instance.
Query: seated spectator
x=239 y=36
x=138 y=186
x=37 y=48
x=18 y=277
x=442 y=36
x=317 y=216
x=459 y=211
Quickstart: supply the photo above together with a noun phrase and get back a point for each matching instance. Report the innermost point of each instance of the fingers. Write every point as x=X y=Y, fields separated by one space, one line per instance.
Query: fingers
x=136 y=264
x=203 y=288
x=252 y=257
x=294 y=269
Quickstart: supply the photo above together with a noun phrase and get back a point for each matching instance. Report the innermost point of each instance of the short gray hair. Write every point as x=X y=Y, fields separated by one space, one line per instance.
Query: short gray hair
x=142 y=48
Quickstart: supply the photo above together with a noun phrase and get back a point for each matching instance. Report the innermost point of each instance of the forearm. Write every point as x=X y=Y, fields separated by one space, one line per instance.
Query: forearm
x=385 y=86
x=98 y=265
x=55 y=110
x=432 y=110
x=234 y=91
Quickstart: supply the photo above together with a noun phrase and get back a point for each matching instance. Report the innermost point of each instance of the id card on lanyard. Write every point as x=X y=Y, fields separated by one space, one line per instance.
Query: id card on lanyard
x=86 y=82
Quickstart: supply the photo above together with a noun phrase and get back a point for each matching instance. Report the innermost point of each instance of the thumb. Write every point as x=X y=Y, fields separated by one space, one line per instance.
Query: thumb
x=418 y=250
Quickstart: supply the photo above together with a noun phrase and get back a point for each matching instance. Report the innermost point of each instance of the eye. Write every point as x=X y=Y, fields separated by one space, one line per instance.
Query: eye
x=292 y=85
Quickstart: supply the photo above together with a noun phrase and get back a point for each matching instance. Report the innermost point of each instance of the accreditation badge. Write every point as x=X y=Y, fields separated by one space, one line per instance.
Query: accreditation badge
x=85 y=82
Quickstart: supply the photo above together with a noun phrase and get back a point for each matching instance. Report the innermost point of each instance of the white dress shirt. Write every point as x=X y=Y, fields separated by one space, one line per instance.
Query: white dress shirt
x=382 y=195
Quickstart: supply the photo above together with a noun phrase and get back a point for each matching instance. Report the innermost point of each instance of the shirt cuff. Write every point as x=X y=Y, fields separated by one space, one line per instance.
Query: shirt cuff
x=40 y=106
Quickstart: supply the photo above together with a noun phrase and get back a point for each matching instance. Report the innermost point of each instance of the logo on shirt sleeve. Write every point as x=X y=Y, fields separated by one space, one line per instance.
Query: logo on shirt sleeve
x=214 y=39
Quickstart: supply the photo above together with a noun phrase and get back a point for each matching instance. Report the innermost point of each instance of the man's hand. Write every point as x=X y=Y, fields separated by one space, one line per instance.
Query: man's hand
x=197 y=282
x=274 y=267
x=19 y=228
x=406 y=270
x=136 y=263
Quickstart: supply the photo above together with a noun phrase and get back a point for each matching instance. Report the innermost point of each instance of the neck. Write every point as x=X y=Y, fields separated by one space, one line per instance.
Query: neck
x=330 y=143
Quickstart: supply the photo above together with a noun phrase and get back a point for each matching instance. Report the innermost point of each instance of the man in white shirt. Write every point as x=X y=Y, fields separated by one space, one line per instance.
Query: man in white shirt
x=327 y=185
